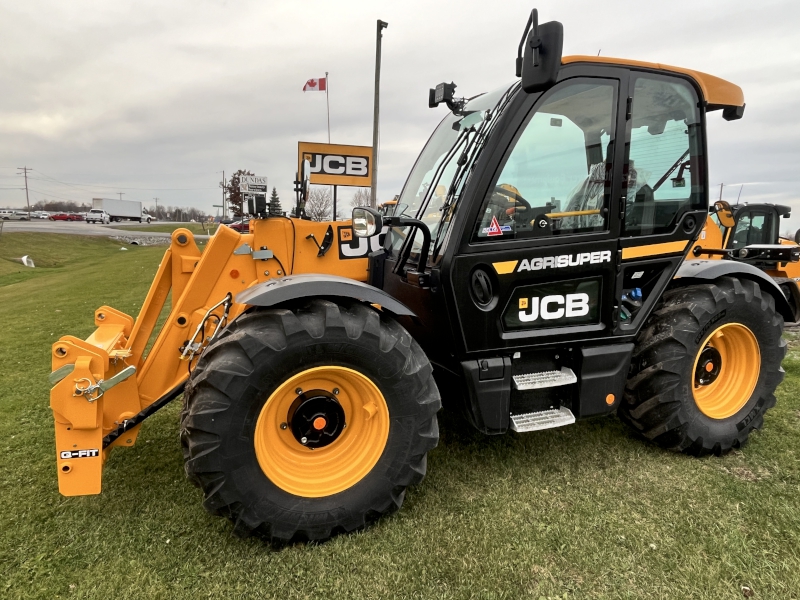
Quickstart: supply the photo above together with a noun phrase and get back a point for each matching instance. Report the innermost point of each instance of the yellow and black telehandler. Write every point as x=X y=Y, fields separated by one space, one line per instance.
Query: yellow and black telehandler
x=540 y=255
x=751 y=233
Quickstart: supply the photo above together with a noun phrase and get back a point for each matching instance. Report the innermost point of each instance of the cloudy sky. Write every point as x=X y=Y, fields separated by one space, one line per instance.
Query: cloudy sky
x=156 y=99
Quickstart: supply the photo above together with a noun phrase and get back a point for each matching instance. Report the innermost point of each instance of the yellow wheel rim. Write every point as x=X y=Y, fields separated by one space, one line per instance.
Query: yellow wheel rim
x=726 y=371
x=313 y=473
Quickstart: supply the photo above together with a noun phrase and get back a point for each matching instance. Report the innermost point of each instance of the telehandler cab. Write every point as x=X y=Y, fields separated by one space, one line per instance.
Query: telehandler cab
x=751 y=233
x=536 y=253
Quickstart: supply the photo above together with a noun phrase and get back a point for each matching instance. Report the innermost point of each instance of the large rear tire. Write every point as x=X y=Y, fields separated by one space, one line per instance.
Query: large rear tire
x=305 y=422
x=705 y=367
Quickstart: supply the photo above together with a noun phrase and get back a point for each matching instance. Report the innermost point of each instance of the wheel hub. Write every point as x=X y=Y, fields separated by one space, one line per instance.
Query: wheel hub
x=316 y=418
x=709 y=365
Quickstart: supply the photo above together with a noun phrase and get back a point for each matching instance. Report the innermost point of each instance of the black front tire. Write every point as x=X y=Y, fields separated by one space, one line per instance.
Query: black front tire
x=659 y=402
x=256 y=354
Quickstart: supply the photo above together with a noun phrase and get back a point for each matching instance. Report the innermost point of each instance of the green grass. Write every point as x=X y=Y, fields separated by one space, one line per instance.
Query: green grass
x=585 y=511
x=196 y=228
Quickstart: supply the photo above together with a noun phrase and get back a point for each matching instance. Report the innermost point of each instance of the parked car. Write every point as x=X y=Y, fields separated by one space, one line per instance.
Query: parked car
x=40 y=214
x=242 y=226
x=14 y=215
x=66 y=217
x=98 y=215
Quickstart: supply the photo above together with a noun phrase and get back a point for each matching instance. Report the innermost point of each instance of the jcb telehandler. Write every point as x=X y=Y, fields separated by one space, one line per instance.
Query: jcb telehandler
x=751 y=233
x=536 y=253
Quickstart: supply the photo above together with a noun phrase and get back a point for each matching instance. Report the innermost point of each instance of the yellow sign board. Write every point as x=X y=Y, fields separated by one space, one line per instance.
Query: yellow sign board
x=337 y=164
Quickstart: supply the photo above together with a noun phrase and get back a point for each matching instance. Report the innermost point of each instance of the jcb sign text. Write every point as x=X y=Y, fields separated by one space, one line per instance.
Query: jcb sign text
x=335 y=164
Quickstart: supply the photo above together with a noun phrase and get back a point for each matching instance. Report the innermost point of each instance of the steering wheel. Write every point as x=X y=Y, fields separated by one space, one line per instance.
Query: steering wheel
x=516 y=197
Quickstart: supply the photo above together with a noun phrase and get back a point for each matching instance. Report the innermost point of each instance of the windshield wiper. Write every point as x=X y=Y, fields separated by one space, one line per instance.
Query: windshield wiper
x=405 y=249
x=467 y=161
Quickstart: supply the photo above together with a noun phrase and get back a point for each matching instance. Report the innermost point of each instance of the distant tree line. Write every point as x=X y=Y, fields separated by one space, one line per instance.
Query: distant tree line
x=60 y=206
x=176 y=213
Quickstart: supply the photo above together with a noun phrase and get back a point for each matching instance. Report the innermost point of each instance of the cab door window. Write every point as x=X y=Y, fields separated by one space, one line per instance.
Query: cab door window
x=556 y=178
x=664 y=175
x=752 y=227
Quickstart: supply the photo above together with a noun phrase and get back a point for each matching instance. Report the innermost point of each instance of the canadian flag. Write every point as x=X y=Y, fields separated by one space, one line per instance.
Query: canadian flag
x=316 y=85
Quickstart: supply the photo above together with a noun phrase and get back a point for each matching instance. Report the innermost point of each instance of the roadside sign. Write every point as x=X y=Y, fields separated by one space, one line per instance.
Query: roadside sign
x=256 y=184
x=253 y=179
x=337 y=164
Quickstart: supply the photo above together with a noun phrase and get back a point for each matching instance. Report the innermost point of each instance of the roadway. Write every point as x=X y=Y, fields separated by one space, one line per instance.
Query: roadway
x=83 y=228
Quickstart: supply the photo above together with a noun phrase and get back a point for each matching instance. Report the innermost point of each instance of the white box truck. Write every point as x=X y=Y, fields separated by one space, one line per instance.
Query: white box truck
x=118 y=210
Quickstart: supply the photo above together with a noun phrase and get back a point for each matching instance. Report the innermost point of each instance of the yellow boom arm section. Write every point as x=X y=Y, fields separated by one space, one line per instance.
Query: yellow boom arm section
x=105 y=385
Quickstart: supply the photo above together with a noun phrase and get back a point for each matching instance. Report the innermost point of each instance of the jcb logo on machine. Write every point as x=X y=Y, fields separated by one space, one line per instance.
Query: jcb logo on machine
x=554 y=307
x=351 y=246
x=80 y=453
x=558 y=304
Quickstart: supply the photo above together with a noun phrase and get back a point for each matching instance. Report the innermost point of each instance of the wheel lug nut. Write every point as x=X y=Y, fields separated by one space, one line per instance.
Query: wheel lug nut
x=298 y=391
x=303 y=440
x=336 y=391
x=284 y=425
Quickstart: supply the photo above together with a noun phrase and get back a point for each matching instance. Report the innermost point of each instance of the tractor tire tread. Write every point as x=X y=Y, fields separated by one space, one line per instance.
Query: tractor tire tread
x=223 y=376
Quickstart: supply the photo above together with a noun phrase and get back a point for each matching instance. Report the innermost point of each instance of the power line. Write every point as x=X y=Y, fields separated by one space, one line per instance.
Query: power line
x=118 y=187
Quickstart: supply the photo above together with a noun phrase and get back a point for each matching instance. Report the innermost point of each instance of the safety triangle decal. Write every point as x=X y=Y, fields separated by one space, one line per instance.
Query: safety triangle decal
x=494 y=228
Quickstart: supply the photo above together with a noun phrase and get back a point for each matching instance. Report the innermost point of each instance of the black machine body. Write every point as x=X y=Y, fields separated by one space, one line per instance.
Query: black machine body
x=539 y=229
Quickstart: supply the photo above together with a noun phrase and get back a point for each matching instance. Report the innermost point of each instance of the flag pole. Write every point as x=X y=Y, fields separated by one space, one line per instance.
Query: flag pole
x=328 y=103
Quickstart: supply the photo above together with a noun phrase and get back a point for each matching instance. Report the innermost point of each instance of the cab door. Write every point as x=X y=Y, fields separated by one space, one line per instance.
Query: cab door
x=664 y=199
x=537 y=262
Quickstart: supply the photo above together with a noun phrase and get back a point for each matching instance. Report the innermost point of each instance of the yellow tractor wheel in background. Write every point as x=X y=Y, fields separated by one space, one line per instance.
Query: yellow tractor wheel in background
x=303 y=422
x=705 y=367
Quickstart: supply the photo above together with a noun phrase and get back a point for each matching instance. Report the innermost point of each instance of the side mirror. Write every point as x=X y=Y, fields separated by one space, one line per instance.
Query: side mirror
x=724 y=213
x=366 y=221
x=540 y=59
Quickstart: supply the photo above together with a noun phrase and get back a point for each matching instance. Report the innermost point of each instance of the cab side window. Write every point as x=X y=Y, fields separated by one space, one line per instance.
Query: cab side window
x=556 y=178
x=752 y=227
x=664 y=175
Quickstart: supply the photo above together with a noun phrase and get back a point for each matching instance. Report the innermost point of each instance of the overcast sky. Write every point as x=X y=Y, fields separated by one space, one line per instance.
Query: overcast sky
x=156 y=99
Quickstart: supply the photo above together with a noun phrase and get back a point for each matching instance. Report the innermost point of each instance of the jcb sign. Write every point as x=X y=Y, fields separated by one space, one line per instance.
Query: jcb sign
x=335 y=164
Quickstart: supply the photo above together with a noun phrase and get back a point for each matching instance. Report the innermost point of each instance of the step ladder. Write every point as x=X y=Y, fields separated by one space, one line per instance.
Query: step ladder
x=545 y=419
x=544 y=379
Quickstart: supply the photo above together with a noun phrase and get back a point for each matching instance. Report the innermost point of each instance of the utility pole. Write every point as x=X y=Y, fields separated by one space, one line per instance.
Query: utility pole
x=27 y=199
x=222 y=185
x=120 y=195
x=156 y=215
x=375 y=122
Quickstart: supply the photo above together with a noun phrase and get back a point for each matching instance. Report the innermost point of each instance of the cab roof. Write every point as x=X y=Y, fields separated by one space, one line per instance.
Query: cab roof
x=717 y=92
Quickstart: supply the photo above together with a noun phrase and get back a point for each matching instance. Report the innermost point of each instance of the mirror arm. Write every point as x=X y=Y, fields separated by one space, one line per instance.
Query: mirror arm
x=533 y=21
x=426 y=240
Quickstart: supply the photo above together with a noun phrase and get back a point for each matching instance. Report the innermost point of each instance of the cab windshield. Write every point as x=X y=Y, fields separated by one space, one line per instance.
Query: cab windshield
x=426 y=190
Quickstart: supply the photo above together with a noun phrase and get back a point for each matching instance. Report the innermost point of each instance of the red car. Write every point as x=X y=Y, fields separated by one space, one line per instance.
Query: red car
x=66 y=217
x=241 y=226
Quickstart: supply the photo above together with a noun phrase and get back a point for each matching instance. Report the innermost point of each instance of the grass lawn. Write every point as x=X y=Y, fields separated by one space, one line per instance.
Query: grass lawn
x=585 y=511
x=196 y=228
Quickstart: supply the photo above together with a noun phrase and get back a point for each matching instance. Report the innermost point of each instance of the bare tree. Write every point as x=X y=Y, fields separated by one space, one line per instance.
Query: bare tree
x=60 y=206
x=319 y=203
x=360 y=198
